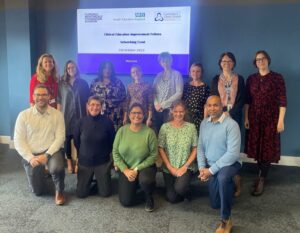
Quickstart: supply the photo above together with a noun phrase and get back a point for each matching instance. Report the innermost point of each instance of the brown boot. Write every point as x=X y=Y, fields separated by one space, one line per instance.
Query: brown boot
x=237 y=182
x=259 y=189
x=225 y=226
x=60 y=198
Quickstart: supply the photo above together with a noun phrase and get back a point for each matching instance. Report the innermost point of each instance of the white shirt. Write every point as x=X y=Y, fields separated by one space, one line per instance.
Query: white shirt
x=37 y=133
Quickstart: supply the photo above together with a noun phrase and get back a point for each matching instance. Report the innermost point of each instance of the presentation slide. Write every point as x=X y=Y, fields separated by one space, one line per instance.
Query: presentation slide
x=128 y=36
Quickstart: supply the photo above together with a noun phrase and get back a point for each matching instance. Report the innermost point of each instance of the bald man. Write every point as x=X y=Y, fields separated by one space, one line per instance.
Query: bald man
x=218 y=158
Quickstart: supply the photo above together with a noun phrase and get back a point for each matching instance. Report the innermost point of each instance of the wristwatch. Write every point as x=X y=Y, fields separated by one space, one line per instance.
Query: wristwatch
x=48 y=156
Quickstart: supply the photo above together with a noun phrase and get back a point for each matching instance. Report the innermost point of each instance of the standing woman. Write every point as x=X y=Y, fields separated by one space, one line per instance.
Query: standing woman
x=231 y=89
x=46 y=73
x=112 y=91
x=93 y=137
x=73 y=93
x=264 y=117
x=195 y=94
x=139 y=92
x=177 y=143
x=134 y=154
x=168 y=87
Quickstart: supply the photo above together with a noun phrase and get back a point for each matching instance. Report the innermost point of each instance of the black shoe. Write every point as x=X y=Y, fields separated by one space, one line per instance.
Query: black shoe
x=149 y=207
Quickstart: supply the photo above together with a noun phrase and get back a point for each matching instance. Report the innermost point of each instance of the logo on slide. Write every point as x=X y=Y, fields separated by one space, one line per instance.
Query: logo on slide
x=158 y=17
x=92 y=17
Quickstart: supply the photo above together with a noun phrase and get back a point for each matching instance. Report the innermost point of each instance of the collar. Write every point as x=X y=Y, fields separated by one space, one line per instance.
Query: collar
x=35 y=111
x=220 y=120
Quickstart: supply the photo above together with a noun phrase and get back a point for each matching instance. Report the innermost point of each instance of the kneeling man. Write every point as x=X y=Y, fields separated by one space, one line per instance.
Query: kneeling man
x=39 y=135
x=218 y=158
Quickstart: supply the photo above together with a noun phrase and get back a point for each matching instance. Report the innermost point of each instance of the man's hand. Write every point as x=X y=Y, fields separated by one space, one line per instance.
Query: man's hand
x=34 y=161
x=204 y=174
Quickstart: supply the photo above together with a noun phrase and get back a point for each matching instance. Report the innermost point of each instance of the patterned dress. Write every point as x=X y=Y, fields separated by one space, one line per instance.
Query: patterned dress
x=265 y=95
x=113 y=94
x=141 y=93
x=178 y=143
x=195 y=98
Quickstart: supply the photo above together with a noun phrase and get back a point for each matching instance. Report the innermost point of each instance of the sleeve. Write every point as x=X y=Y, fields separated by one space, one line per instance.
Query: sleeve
x=127 y=101
x=59 y=95
x=150 y=98
x=240 y=98
x=194 y=136
x=184 y=93
x=20 y=141
x=214 y=86
x=282 y=100
x=77 y=133
x=155 y=83
x=200 y=148
x=84 y=95
x=178 y=91
x=118 y=160
x=207 y=92
x=233 y=149
x=152 y=144
x=162 y=136
x=31 y=88
x=92 y=87
x=59 y=134
x=111 y=133
x=120 y=94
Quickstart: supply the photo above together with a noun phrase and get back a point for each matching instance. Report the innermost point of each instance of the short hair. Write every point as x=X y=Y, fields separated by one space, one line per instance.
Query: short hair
x=42 y=86
x=138 y=67
x=180 y=103
x=165 y=56
x=40 y=73
x=228 y=54
x=265 y=54
x=198 y=64
x=136 y=105
x=95 y=97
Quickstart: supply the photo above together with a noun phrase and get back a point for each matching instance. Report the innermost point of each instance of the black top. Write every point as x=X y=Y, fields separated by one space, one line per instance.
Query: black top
x=93 y=139
x=236 y=112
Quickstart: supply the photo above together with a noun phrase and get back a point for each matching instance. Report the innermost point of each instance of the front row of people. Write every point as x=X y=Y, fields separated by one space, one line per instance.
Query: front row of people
x=40 y=132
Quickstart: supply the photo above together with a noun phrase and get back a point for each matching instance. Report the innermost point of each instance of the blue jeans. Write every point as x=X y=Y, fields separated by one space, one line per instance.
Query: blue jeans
x=221 y=189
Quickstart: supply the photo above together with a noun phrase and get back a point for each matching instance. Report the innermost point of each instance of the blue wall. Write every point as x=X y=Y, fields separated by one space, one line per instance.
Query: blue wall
x=242 y=29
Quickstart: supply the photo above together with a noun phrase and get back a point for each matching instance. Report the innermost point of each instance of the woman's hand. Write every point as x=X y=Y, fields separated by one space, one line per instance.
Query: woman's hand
x=181 y=171
x=130 y=174
x=280 y=126
x=157 y=107
x=246 y=123
x=173 y=170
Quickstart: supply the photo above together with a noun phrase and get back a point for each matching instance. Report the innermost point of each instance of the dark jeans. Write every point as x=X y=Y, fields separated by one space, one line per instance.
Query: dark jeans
x=221 y=189
x=160 y=118
x=36 y=175
x=85 y=176
x=177 y=187
x=127 y=189
x=68 y=150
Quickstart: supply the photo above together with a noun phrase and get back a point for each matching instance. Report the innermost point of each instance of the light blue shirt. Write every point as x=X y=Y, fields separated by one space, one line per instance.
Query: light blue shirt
x=219 y=143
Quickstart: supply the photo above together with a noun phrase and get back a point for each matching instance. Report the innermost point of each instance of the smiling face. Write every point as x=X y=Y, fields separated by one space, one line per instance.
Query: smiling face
x=41 y=98
x=227 y=64
x=136 y=116
x=195 y=73
x=178 y=113
x=94 y=107
x=71 y=69
x=261 y=62
x=136 y=74
x=47 y=65
x=214 y=107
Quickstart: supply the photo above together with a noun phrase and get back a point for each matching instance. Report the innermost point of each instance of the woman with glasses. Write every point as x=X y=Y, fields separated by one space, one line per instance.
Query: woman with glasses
x=134 y=154
x=264 y=117
x=230 y=86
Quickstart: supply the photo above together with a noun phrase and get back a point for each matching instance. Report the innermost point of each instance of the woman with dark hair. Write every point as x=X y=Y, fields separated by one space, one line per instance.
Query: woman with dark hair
x=46 y=73
x=195 y=94
x=112 y=91
x=177 y=144
x=231 y=89
x=134 y=154
x=167 y=87
x=264 y=117
x=139 y=92
x=73 y=93
x=93 y=138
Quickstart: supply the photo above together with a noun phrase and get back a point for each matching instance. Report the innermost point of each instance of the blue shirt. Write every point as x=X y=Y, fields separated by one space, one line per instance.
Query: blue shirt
x=219 y=143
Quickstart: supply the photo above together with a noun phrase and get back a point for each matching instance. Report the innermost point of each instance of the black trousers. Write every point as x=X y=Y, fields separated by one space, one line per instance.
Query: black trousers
x=85 y=176
x=127 y=189
x=68 y=150
x=160 y=118
x=177 y=187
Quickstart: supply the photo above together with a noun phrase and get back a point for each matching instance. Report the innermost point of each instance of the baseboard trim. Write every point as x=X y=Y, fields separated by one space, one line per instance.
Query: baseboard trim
x=285 y=160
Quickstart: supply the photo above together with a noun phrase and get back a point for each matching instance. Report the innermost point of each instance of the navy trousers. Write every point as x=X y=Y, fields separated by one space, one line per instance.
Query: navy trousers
x=221 y=189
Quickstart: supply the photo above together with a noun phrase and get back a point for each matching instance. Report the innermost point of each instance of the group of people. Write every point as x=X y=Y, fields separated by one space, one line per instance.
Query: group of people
x=191 y=127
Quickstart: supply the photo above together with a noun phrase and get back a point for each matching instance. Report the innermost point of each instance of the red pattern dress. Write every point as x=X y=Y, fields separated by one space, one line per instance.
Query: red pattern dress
x=265 y=95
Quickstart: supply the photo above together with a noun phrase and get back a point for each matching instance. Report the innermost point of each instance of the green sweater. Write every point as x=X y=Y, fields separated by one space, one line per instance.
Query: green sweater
x=134 y=149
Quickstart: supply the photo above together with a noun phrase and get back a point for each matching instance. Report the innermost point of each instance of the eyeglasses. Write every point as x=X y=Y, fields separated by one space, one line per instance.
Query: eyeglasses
x=136 y=113
x=41 y=95
x=260 y=59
